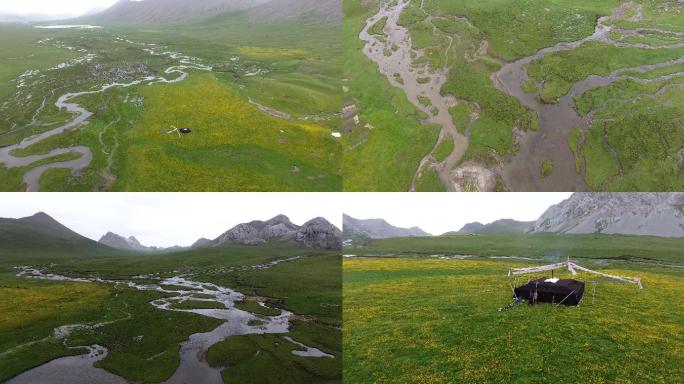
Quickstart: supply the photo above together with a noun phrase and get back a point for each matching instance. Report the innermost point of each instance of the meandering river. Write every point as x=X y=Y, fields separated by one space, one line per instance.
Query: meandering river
x=394 y=54
x=193 y=367
x=81 y=116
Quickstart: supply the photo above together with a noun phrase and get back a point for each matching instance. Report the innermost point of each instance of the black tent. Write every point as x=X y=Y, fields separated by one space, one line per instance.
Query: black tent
x=544 y=290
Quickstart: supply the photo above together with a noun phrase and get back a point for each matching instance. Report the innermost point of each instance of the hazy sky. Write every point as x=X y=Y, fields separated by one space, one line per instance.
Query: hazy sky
x=442 y=212
x=53 y=7
x=166 y=219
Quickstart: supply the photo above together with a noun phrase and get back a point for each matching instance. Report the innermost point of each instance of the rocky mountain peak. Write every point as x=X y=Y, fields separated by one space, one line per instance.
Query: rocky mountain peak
x=655 y=214
x=133 y=241
x=316 y=233
x=319 y=233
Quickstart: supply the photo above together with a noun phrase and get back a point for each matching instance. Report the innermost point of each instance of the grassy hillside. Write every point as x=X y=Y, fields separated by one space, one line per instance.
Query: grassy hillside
x=415 y=320
x=23 y=243
x=552 y=246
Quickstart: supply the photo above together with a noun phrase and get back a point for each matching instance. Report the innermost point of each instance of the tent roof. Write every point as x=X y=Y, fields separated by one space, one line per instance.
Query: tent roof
x=571 y=266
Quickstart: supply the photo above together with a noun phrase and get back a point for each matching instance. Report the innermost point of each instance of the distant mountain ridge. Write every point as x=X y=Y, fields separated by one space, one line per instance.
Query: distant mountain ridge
x=156 y=11
x=255 y=11
x=644 y=214
x=654 y=214
x=377 y=229
x=316 y=233
x=501 y=226
x=130 y=243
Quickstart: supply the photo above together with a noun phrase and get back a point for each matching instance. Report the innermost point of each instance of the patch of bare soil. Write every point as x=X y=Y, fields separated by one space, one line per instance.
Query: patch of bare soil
x=621 y=12
x=472 y=177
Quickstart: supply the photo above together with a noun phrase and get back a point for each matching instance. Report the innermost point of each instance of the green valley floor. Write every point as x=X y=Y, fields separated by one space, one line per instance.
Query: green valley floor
x=101 y=109
x=135 y=314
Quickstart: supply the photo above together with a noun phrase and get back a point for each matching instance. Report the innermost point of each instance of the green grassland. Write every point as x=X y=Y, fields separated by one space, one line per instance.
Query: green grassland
x=234 y=146
x=31 y=309
x=634 y=141
x=543 y=245
x=268 y=353
x=646 y=157
x=19 y=55
x=428 y=181
x=252 y=306
x=197 y=304
x=310 y=287
x=154 y=356
x=411 y=320
x=561 y=70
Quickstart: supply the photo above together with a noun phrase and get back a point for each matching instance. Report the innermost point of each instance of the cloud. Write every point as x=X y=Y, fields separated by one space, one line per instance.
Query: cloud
x=52 y=7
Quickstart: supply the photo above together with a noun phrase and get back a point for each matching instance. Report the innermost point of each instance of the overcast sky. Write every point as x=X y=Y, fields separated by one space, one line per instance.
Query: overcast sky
x=166 y=219
x=52 y=7
x=437 y=213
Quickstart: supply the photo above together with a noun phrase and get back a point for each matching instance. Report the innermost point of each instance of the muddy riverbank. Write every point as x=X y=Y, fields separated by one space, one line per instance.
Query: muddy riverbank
x=394 y=54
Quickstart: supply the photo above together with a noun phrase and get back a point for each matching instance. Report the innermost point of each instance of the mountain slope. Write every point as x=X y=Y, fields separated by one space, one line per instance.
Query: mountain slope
x=316 y=11
x=506 y=226
x=155 y=11
x=41 y=235
x=469 y=228
x=44 y=222
x=377 y=229
x=203 y=242
x=654 y=214
x=502 y=226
